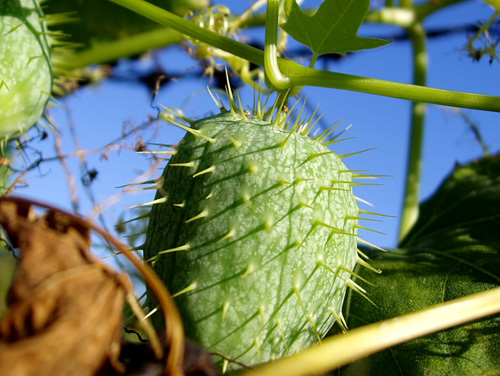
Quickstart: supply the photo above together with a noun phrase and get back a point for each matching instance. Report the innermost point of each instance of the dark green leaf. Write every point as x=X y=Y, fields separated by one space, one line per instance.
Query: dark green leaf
x=453 y=251
x=465 y=209
x=332 y=29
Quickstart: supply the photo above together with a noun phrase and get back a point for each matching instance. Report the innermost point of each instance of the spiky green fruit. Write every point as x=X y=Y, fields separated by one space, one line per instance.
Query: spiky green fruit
x=25 y=66
x=255 y=231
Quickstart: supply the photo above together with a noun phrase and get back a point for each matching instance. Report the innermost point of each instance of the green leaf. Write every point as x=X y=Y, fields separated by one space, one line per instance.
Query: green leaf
x=452 y=251
x=100 y=21
x=332 y=29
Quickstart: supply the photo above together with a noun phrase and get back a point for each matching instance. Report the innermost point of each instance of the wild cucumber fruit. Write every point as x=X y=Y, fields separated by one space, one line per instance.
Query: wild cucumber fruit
x=25 y=66
x=254 y=231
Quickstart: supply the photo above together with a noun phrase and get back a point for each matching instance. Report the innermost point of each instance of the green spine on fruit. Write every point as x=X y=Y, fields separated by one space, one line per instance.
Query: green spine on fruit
x=25 y=66
x=254 y=231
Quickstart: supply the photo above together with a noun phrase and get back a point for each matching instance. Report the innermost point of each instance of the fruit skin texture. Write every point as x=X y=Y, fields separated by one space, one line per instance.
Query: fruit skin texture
x=25 y=66
x=262 y=225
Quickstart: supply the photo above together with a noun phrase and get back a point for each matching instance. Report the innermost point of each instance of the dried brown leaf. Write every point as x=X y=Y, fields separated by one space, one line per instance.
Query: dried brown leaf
x=65 y=306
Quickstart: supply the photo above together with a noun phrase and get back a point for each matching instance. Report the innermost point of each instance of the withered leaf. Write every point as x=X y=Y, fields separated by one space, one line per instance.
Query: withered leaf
x=65 y=306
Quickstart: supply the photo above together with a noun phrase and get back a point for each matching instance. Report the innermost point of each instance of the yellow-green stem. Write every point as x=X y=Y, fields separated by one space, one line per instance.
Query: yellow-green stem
x=342 y=349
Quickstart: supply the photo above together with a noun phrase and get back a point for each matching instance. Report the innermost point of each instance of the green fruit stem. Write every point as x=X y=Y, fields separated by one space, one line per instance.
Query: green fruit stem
x=302 y=76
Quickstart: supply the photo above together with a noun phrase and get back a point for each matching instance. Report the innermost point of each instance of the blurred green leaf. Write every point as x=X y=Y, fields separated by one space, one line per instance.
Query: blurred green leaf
x=99 y=20
x=452 y=251
x=7 y=267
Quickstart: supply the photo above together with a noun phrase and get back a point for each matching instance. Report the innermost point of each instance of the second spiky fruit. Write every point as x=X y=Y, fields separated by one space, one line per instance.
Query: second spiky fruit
x=25 y=66
x=255 y=229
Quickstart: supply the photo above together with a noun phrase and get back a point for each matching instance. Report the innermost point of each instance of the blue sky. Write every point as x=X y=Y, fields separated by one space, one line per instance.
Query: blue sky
x=97 y=115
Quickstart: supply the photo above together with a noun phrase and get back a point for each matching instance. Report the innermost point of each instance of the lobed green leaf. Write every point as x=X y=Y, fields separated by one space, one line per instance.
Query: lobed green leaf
x=332 y=29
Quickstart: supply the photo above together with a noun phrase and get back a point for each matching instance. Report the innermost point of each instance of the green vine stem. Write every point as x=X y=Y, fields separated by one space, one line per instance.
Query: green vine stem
x=410 y=210
x=302 y=76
